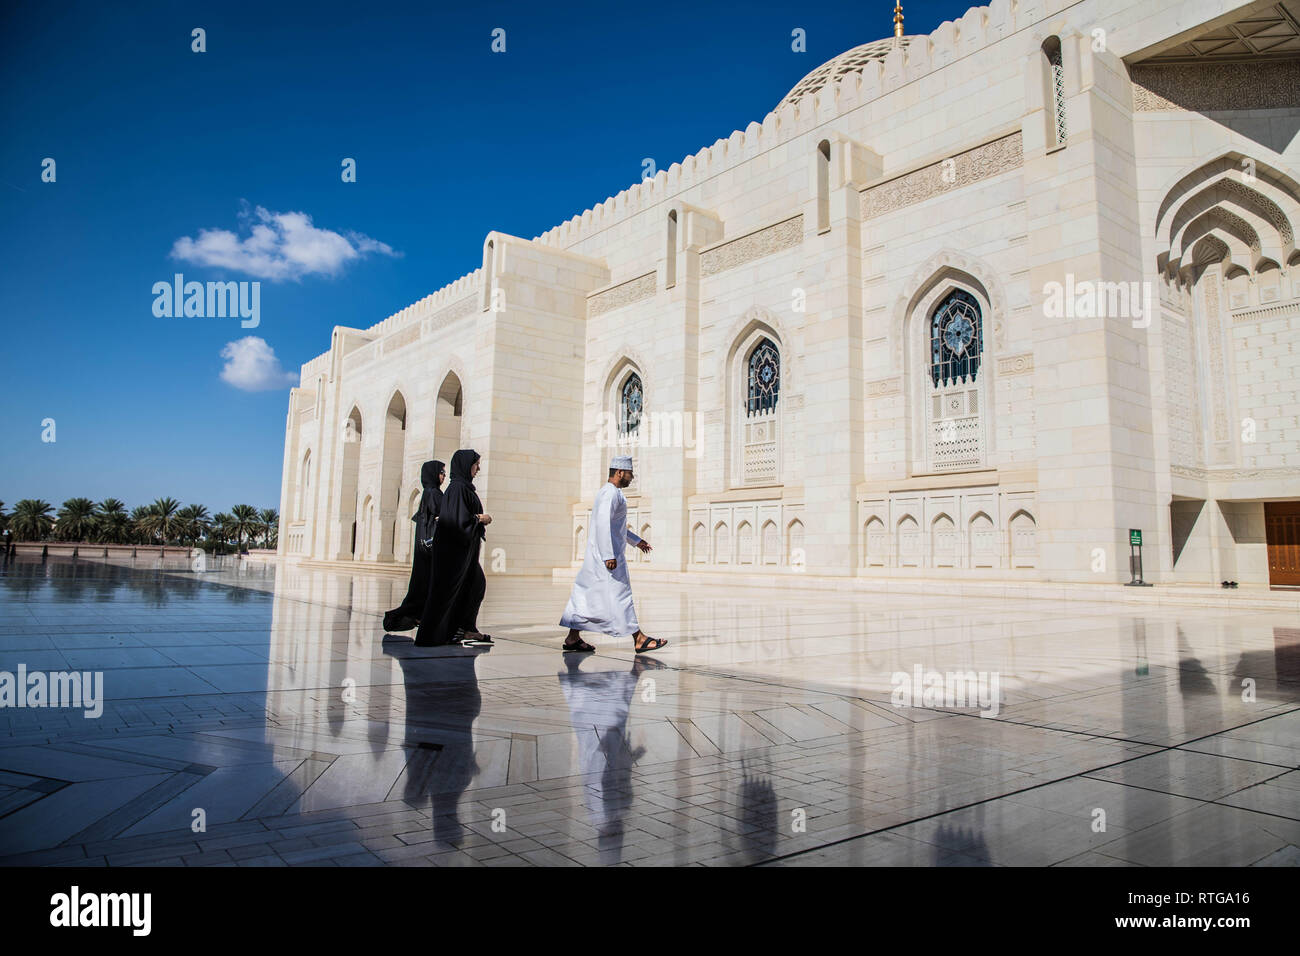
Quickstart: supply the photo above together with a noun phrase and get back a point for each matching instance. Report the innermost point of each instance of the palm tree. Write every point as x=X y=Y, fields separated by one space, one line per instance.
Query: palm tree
x=112 y=523
x=245 y=522
x=165 y=516
x=220 y=528
x=192 y=522
x=271 y=523
x=31 y=519
x=4 y=518
x=142 y=521
x=76 y=520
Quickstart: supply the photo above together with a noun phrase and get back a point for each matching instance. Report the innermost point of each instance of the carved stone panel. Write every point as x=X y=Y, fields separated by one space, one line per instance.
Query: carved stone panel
x=973 y=165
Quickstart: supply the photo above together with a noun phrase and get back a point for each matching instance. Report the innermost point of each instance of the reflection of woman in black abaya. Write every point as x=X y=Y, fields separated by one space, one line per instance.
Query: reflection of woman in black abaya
x=442 y=703
x=456 y=589
x=407 y=614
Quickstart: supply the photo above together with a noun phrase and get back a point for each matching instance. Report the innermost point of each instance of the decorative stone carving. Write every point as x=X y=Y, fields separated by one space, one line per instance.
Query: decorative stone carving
x=1197 y=87
x=634 y=290
x=400 y=339
x=755 y=245
x=453 y=312
x=1172 y=296
x=1262 y=204
x=1016 y=364
x=973 y=165
x=1234 y=474
x=885 y=386
x=360 y=357
x=1239 y=226
x=1254 y=315
x=963 y=263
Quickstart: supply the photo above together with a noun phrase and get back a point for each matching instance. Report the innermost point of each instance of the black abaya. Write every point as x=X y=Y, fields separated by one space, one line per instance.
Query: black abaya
x=409 y=612
x=457 y=590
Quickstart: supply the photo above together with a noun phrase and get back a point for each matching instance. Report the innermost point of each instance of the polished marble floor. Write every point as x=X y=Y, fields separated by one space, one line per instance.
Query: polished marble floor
x=268 y=704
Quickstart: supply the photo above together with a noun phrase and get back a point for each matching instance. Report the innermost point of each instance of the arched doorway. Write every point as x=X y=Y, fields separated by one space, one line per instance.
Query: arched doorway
x=448 y=422
x=390 y=482
x=350 y=457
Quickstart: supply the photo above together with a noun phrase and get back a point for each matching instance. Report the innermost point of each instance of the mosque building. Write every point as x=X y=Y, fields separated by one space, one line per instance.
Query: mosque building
x=976 y=304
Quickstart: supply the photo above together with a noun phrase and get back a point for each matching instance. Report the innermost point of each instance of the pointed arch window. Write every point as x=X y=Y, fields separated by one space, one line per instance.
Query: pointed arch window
x=956 y=340
x=1056 y=90
x=955 y=385
x=631 y=402
x=764 y=378
x=670 y=265
x=304 y=488
x=823 y=160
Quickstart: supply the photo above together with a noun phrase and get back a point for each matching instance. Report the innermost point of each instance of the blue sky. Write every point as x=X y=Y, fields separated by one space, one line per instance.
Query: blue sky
x=160 y=150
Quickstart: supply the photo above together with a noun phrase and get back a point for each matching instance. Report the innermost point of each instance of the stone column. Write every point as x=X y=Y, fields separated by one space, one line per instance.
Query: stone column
x=525 y=416
x=831 y=368
x=1094 y=412
x=676 y=392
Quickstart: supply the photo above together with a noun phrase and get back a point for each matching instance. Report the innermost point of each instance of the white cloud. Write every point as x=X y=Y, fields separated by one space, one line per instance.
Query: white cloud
x=251 y=365
x=279 y=245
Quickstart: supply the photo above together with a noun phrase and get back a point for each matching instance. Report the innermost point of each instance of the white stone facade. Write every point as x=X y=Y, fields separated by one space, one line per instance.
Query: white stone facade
x=946 y=243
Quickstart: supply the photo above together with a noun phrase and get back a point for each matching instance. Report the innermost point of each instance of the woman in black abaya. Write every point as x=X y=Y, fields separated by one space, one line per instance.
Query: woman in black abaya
x=407 y=614
x=456 y=591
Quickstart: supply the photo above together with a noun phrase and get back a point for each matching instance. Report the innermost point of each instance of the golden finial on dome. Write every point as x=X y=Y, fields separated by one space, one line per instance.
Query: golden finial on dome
x=898 y=18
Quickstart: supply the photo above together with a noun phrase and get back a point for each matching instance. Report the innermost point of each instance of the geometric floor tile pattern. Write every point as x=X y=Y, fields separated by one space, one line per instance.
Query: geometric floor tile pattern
x=269 y=703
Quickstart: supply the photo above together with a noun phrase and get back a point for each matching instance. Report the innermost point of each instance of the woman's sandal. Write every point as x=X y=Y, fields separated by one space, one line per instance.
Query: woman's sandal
x=651 y=644
x=582 y=647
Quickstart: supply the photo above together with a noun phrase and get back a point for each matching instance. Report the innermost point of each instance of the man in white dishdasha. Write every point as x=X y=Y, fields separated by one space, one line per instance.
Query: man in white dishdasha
x=601 y=599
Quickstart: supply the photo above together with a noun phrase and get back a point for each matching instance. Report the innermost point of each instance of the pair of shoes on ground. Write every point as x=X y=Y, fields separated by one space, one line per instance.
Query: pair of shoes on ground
x=1229 y=584
x=582 y=647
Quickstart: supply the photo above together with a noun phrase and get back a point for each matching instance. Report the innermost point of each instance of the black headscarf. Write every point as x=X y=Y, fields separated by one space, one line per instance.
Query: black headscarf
x=431 y=500
x=461 y=463
x=461 y=505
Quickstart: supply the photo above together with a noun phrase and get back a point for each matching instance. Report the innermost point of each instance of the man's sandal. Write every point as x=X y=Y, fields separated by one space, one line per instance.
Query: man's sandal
x=651 y=644
x=582 y=647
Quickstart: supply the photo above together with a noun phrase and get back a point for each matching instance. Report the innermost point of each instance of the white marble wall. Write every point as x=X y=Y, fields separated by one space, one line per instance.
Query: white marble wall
x=943 y=173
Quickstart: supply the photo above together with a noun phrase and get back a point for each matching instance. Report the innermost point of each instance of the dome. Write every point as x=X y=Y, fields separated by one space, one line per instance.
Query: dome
x=848 y=62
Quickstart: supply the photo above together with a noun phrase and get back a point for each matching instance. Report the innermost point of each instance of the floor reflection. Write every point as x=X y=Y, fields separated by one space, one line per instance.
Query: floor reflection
x=599 y=703
x=442 y=702
x=268 y=696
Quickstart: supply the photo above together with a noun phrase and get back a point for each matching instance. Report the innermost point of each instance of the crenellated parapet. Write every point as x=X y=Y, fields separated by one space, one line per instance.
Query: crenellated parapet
x=430 y=304
x=448 y=300
x=909 y=60
x=317 y=366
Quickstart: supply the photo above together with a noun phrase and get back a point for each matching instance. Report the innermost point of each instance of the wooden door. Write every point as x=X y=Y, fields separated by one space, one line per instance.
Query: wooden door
x=1282 y=531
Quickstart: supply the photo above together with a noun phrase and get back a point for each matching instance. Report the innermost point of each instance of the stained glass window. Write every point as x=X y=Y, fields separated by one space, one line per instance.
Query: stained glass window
x=764 y=378
x=629 y=419
x=956 y=340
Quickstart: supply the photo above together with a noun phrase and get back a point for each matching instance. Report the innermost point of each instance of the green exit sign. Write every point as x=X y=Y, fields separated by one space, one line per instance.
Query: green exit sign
x=1134 y=536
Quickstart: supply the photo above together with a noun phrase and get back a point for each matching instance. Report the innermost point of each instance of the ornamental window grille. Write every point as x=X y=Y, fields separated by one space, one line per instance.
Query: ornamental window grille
x=955 y=417
x=956 y=340
x=1061 y=129
x=764 y=378
x=630 y=405
x=757 y=422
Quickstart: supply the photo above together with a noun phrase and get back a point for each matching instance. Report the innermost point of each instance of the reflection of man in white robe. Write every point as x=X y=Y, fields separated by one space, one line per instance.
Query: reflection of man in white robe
x=601 y=599
x=599 y=703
